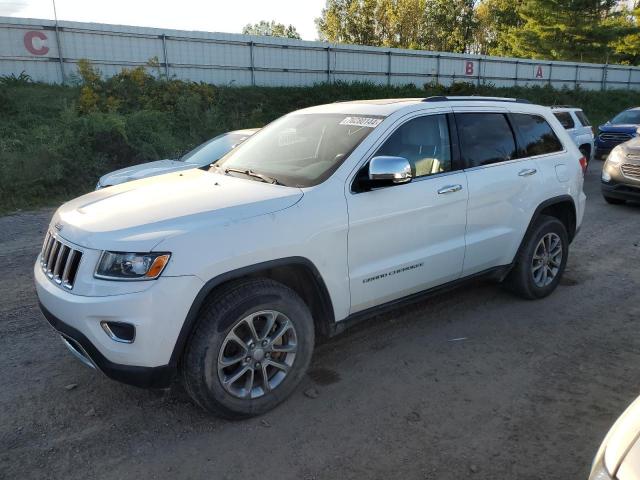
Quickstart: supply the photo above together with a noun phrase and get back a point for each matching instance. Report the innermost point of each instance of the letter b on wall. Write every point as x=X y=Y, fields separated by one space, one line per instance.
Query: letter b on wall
x=468 y=68
x=35 y=42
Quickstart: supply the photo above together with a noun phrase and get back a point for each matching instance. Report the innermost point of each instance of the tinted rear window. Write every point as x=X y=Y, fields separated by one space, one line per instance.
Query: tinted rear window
x=485 y=138
x=565 y=119
x=583 y=118
x=537 y=135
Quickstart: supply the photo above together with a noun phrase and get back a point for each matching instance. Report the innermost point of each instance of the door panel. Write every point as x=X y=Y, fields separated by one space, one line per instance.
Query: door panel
x=503 y=188
x=501 y=200
x=410 y=237
x=406 y=238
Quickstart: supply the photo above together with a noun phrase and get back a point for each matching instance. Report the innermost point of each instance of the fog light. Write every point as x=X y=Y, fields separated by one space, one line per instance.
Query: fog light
x=119 y=331
x=605 y=176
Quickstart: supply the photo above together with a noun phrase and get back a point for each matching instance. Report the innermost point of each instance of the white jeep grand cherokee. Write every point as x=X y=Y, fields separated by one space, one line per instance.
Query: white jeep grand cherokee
x=224 y=278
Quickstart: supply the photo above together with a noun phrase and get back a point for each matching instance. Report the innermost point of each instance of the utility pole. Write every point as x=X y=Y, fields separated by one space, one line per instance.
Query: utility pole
x=58 y=43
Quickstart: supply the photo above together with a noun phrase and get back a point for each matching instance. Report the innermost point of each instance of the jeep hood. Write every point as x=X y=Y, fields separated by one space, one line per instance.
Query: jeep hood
x=136 y=216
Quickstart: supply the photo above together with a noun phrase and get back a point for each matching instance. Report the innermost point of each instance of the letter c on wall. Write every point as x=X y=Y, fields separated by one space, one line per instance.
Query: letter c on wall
x=31 y=48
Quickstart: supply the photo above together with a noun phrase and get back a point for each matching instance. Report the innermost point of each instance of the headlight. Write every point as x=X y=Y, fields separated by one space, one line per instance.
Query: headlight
x=599 y=471
x=131 y=266
x=616 y=157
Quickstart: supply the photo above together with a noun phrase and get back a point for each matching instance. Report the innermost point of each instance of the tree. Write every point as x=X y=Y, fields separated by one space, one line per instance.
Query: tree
x=580 y=30
x=427 y=24
x=271 y=29
x=627 y=48
x=495 y=19
x=358 y=22
x=450 y=25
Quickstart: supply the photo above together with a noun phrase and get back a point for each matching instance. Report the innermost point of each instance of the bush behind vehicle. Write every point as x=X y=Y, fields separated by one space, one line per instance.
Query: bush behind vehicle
x=55 y=141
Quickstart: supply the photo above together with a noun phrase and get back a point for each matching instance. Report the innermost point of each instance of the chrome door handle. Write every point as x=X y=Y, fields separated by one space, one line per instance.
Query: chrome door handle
x=450 y=189
x=527 y=171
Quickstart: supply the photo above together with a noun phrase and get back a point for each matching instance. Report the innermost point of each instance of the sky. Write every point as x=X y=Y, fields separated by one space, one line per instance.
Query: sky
x=206 y=15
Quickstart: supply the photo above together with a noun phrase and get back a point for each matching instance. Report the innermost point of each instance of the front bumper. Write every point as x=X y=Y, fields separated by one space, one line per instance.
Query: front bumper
x=157 y=313
x=83 y=349
x=620 y=191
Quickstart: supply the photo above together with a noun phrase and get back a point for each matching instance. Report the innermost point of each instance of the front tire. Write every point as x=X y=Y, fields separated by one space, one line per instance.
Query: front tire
x=541 y=260
x=250 y=349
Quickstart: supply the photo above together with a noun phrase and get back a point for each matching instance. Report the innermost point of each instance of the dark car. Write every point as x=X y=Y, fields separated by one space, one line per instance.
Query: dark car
x=619 y=129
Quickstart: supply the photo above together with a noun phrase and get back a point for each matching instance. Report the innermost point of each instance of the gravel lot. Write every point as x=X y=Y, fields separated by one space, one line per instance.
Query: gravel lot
x=528 y=393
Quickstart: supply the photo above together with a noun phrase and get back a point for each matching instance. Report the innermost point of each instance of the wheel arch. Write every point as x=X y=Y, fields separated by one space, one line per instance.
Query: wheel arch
x=298 y=273
x=562 y=207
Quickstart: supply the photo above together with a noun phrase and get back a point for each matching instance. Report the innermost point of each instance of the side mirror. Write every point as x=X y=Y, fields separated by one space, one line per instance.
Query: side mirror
x=389 y=170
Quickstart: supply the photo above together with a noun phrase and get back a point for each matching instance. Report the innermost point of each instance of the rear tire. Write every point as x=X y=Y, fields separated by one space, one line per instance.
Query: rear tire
x=259 y=331
x=614 y=201
x=541 y=261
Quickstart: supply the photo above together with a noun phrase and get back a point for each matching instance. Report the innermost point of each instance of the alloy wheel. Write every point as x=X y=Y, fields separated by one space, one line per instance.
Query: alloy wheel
x=547 y=258
x=257 y=354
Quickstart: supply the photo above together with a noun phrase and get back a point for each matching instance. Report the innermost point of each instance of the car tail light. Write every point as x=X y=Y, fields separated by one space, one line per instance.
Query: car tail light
x=583 y=164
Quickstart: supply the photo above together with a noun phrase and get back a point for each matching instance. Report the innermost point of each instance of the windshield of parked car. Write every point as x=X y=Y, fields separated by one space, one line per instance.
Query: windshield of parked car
x=214 y=149
x=630 y=116
x=299 y=150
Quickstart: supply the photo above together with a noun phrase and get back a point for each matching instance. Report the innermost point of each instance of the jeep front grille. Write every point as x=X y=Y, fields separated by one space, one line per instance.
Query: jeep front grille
x=615 y=137
x=630 y=170
x=59 y=261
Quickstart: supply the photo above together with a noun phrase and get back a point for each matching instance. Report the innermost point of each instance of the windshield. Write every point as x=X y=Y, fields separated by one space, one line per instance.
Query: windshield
x=629 y=116
x=214 y=149
x=299 y=150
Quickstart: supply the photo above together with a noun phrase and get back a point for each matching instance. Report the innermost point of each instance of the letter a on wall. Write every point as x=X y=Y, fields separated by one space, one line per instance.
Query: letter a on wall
x=539 y=72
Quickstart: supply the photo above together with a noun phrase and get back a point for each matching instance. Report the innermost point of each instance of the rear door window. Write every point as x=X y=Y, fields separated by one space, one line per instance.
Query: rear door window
x=536 y=135
x=583 y=118
x=485 y=138
x=565 y=119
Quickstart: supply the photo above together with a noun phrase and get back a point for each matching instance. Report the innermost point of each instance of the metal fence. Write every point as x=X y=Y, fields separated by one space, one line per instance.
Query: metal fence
x=50 y=54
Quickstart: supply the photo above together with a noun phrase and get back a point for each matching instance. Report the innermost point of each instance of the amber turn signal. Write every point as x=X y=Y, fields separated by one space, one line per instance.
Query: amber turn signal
x=157 y=266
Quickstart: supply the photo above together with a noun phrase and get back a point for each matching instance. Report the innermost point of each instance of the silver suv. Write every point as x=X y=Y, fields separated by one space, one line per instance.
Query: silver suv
x=621 y=173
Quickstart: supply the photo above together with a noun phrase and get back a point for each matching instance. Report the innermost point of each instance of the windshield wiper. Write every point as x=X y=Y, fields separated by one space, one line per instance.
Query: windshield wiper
x=251 y=173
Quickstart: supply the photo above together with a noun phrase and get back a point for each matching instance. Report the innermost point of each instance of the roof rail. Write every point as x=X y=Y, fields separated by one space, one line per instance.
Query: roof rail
x=565 y=106
x=476 y=98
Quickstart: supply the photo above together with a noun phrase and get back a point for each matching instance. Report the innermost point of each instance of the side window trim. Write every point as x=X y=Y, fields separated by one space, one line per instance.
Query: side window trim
x=457 y=165
x=521 y=152
x=522 y=155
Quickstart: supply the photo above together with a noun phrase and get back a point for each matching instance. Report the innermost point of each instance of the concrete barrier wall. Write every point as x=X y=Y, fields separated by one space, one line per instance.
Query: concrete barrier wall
x=51 y=54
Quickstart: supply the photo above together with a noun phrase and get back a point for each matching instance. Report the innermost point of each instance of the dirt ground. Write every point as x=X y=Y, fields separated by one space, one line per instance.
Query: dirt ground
x=527 y=391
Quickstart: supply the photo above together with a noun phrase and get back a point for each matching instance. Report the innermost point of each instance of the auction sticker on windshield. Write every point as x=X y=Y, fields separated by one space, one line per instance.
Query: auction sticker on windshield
x=362 y=121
